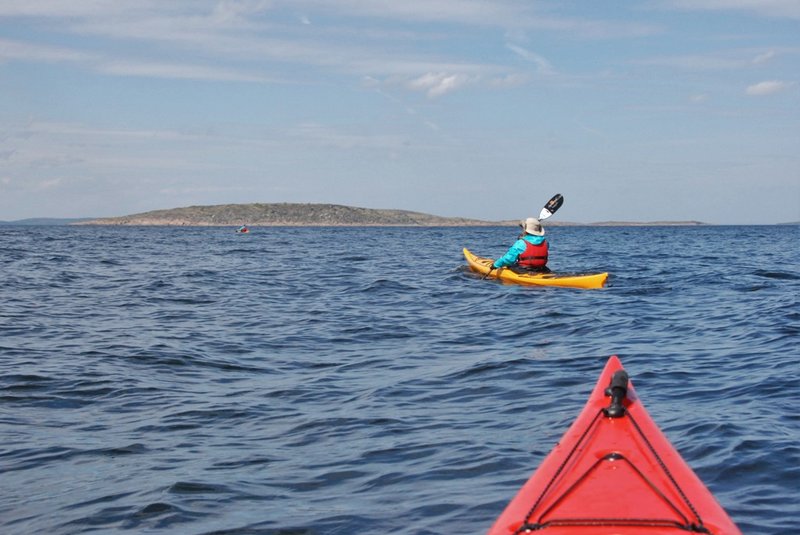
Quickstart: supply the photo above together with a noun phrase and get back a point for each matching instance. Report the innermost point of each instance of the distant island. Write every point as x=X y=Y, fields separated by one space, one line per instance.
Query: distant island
x=306 y=214
x=309 y=214
x=285 y=214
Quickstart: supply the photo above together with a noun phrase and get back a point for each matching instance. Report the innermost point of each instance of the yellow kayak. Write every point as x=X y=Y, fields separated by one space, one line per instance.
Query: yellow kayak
x=571 y=280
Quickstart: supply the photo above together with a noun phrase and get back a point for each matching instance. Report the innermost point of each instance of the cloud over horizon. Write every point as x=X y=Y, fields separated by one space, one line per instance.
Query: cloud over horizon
x=424 y=105
x=768 y=87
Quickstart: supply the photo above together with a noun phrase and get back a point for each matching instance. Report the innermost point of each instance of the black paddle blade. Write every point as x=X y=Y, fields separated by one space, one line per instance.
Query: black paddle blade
x=551 y=206
x=554 y=203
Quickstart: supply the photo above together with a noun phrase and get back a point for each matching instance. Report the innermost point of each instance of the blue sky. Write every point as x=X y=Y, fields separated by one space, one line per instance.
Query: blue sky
x=634 y=110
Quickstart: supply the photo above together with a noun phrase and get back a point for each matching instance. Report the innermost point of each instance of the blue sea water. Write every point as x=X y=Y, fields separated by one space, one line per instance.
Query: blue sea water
x=196 y=381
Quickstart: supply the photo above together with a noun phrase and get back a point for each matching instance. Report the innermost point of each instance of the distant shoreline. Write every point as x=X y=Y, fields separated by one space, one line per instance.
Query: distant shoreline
x=319 y=215
x=313 y=215
x=416 y=225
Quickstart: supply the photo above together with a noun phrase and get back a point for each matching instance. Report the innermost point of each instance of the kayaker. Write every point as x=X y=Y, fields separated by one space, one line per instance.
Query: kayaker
x=529 y=252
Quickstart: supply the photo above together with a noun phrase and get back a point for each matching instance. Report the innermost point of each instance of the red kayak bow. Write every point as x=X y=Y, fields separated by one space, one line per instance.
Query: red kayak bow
x=614 y=472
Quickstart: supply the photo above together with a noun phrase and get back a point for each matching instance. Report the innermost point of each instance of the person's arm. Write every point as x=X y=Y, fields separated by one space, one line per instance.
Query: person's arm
x=510 y=258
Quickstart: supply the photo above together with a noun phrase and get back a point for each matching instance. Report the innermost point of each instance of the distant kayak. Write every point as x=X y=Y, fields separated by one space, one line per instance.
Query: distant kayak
x=614 y=472
x=242 y=230
x=572 y=280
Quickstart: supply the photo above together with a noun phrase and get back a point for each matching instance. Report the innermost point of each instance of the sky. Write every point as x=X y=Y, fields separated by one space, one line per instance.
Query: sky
x=646 y=110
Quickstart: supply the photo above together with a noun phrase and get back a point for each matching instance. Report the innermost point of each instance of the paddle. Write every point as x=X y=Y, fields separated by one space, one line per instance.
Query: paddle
x=551 y=206
x=549 y=209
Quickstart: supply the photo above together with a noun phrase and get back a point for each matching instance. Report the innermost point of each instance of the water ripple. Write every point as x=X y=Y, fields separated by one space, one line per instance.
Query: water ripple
x=196 y=381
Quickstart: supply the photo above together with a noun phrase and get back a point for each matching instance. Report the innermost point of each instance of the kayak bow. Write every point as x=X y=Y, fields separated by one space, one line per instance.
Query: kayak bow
x=614 y=472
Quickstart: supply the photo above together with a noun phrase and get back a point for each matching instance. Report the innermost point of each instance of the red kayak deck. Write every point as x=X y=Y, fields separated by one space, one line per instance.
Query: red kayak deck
x=614 y=472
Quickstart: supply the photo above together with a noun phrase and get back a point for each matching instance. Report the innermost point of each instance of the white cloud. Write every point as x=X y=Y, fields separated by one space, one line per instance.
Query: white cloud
x=245 y=40
x=764 y=58
x=766 y=8
x=698 y=62
x=63 y=146
x=542 y=65
x=730 y=60
x=436 y=84
x=19 y=50
x=505 y=14
x=510 y=80
x=240 y=31
x=769 y=87
x=178 y=71
x=58 y=8
x=48 y=184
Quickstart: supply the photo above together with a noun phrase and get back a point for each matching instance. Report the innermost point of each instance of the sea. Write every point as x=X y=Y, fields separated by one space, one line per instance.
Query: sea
x=348 y=380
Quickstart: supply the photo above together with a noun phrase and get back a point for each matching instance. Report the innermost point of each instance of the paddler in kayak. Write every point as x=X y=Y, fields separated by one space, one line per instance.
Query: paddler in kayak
x=529 y=252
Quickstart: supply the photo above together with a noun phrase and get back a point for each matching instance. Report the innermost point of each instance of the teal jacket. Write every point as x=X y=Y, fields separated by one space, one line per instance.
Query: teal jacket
x=511 y=256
